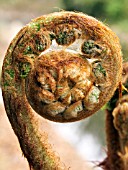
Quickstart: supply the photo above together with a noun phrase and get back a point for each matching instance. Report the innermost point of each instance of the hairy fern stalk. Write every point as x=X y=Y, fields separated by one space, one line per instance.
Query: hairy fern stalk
x=117 y=127
x=64 y=66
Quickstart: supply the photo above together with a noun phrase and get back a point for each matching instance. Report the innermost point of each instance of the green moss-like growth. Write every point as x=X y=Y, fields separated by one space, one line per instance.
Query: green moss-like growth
x=89 y=47
x=65 y=37
x=24 y=69
x=35 y=25
x=28 y=50
x=11 y=73
x=99 y=69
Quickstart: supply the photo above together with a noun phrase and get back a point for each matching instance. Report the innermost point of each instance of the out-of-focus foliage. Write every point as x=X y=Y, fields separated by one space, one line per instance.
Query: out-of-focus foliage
x=110 y=10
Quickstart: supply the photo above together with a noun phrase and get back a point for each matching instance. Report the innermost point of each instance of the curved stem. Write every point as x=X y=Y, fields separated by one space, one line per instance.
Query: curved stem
x=39 y=153
x=64 y=66
x=117 y=128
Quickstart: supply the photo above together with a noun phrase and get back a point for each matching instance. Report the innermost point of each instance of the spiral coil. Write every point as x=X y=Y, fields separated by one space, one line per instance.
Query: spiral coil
x=67 y=64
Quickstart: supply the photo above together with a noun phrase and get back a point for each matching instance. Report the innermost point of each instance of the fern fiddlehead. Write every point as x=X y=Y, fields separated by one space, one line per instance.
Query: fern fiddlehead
x=65 y=66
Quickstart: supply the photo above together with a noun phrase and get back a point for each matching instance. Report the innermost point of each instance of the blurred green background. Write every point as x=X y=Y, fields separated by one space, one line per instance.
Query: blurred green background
x=16 y=13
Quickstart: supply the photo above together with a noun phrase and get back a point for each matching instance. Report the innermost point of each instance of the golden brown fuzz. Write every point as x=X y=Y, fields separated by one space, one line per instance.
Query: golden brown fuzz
x=68 y=64
x=65 y=66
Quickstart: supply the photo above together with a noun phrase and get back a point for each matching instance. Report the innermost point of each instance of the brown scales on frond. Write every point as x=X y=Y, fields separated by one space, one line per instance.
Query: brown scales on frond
x=65 y=66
